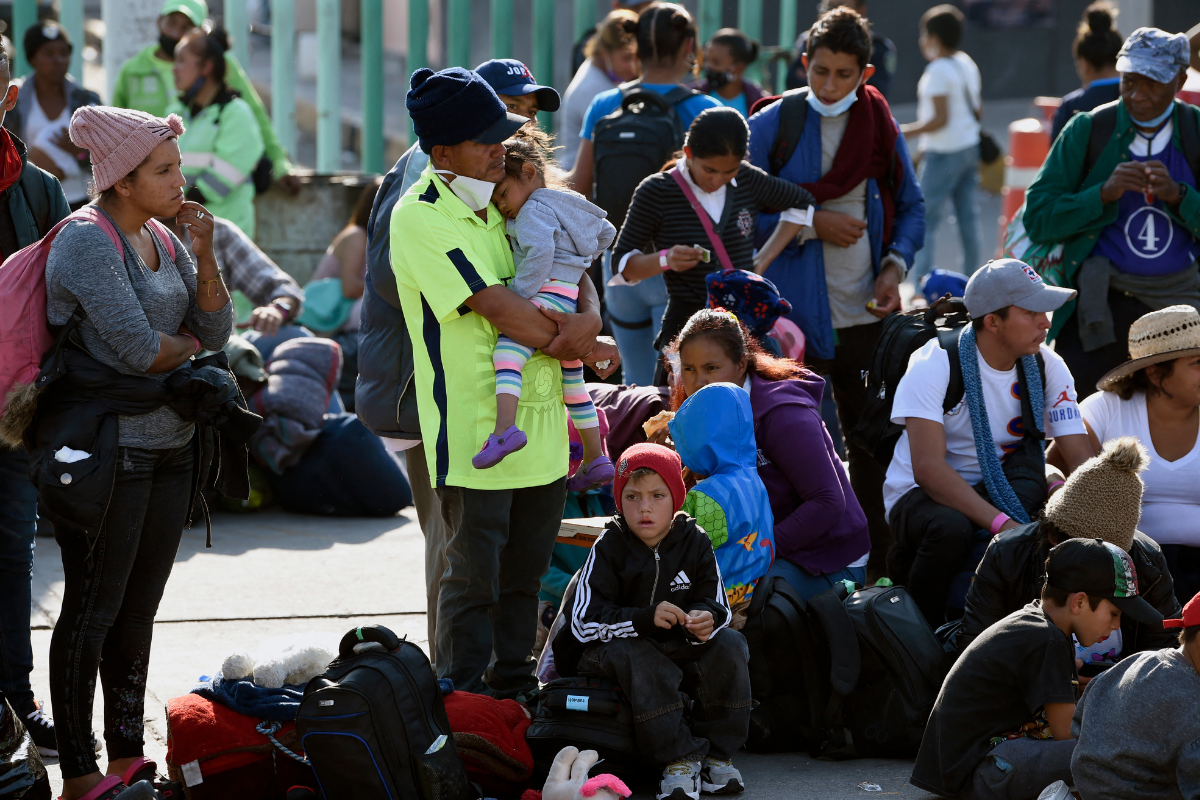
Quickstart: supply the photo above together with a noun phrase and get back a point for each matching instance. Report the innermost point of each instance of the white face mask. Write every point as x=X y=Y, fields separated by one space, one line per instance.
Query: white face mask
x=834 y=109
x=472 y=191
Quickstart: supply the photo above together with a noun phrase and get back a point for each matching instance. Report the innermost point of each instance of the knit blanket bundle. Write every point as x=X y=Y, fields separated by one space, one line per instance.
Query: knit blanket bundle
x=301 y=377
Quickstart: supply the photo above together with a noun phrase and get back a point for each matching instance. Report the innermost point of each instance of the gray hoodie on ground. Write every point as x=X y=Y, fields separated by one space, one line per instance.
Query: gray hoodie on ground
x=1138 y=725
x=556 y=236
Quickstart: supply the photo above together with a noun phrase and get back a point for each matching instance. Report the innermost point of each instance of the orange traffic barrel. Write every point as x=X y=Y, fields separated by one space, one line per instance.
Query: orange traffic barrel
x=1028 y=146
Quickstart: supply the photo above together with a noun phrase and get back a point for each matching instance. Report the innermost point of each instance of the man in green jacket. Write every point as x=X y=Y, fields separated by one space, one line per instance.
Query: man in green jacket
x=1129 y=225
x=145 y=82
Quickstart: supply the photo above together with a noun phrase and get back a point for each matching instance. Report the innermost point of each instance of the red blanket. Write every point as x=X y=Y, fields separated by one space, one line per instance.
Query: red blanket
x=216 y=736
x=489 y=735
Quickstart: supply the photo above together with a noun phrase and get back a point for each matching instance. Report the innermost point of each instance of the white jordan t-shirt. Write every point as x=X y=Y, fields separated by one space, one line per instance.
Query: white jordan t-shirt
x=922 y=391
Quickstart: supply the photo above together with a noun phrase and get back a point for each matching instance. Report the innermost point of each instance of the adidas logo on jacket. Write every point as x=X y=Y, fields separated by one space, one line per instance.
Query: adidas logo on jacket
x=623 y=581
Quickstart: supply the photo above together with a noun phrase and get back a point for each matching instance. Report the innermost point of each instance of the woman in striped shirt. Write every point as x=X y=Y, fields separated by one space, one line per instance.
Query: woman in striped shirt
x=663 y=234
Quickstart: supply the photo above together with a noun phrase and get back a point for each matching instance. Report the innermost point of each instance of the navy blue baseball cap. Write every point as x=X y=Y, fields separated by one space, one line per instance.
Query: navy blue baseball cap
x=510 y=76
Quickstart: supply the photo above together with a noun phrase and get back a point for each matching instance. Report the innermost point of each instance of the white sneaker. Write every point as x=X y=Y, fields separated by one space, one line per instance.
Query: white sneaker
x=680 y=781
x=720 y=776
x=1056 y=791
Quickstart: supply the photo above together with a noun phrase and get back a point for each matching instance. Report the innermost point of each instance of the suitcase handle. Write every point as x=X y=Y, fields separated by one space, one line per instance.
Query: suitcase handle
x=368 y=633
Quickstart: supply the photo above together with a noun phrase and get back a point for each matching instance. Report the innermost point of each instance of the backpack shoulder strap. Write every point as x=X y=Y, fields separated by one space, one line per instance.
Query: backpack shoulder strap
x=1189 y=137
x=33 y=184
x=95 y=216
x=164 y=236
x=1027 y=420
x=1104 y=122
x=948 y=340
x=679 y=94
x=845 y=658
x=793 y=113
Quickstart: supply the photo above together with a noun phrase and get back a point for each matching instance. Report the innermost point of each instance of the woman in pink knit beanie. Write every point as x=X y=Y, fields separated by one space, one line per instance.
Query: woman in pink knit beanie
x=149 y=310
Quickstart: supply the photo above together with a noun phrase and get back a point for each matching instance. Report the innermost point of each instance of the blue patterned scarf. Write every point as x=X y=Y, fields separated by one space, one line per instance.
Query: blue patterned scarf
x=1001 y=493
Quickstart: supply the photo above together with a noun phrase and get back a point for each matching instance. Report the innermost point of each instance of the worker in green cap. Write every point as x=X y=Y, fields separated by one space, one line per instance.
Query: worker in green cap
x=146 y=84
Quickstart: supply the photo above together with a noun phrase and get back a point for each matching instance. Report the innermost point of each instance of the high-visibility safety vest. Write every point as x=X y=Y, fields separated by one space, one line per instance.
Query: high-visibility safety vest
x=145 y=83
x=221 y=146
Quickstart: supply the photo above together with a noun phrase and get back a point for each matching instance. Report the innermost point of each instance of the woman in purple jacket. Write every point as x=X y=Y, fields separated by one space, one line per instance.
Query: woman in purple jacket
x=820 y=528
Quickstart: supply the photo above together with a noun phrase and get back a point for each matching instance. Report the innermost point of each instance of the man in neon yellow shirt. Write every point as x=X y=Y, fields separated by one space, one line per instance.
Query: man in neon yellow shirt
x=452 y=262
x=145 y=82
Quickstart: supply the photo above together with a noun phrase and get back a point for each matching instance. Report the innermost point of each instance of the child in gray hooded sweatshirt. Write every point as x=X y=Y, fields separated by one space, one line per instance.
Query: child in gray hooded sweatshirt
x=556 y=234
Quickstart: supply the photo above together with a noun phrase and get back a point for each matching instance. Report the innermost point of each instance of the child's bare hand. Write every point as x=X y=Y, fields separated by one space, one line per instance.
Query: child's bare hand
x=668 y=615
x=700 y=624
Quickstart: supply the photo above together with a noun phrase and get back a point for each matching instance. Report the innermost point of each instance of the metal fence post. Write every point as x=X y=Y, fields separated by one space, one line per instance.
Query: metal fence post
x=237 y=22
x=70 y=14
x=458 y=33
x=787 y=23
x=24 y=16
x=750 y=17
x=585 y=18
x=710 y=20
x=502 y=28
x=418 y=46
x=371 y=26
x=329 y=116
x=543 y=50
x=283 y=73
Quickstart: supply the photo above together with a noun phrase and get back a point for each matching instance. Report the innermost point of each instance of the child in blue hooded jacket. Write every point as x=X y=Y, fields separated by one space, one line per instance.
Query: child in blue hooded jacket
x=713 y=433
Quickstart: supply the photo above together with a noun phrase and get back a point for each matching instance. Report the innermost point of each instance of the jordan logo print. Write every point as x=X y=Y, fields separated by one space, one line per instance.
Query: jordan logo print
x=681 y=582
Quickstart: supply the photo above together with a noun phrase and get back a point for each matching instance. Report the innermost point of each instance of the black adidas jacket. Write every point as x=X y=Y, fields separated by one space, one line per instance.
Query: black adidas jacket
x=623 y=581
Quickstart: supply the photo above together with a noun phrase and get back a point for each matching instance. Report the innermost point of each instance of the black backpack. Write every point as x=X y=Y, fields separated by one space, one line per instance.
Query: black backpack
x=374 y=725
x=634 y=142
x=796 y=668
x=588 y=713
x=902 y=335
x=903 y=666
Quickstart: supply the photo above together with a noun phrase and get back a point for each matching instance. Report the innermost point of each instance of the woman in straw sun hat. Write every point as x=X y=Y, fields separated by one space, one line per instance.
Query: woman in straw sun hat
x=1155 y=396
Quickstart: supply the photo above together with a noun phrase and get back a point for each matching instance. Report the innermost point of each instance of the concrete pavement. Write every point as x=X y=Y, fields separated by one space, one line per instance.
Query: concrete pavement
x=274 y=573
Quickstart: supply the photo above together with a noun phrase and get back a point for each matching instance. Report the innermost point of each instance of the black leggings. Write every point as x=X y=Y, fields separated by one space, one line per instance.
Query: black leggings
x=1184 y=564
x=109 y=604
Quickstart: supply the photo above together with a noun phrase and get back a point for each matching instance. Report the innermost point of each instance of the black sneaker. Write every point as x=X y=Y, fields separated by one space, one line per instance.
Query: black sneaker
x=40 y=727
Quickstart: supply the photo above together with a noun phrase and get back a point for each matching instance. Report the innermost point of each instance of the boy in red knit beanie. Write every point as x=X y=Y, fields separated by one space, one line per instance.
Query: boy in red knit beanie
x=652 y=552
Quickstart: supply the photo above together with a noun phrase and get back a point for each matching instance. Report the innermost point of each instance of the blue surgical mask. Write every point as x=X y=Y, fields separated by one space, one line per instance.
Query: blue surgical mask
x=1159 y=120
x=833 y=109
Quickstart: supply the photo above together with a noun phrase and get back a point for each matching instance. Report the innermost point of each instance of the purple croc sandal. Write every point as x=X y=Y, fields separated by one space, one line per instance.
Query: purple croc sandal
x=497 y=447
x=597 y=472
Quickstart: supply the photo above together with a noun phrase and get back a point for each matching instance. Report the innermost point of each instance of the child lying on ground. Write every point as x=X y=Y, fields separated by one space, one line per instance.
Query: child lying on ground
x=651 y=552
x=1138 y=723
x=556 y=234
x=1001 y=725
x=713 y=433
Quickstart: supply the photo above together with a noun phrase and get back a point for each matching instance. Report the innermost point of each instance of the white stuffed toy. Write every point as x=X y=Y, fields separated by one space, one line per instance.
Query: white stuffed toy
x=568 y=778
x=293 y=659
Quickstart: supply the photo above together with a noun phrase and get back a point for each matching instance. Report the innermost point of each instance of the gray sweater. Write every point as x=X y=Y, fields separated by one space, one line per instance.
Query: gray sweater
x=1138 y=726
x=556 y=236
x=127 y=306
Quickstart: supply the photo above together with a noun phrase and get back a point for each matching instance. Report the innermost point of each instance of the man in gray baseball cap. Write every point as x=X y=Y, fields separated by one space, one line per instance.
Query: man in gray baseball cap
x=1118 y=190
x=975 y=410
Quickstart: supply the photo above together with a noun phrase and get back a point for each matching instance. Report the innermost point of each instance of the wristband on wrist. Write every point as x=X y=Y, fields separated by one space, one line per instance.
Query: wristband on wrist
x=1054 y=486
x=197 y=341
x=662 y=259
x=284 y=308
x=998 y=522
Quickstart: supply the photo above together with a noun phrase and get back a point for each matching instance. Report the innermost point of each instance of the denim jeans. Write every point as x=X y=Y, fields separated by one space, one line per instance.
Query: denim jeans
x=808 y=585
x=18 y=525
x=636 y=314
x=1019 y=769
x=950 y=176
x=498 y=548
x=109 y=602
x=719 y=682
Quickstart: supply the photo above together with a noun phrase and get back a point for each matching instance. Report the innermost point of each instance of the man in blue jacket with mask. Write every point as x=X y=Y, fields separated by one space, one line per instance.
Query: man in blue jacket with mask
x=843 y=273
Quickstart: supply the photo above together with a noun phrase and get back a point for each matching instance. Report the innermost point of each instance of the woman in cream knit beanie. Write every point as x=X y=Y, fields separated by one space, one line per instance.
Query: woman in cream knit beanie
x=1103 y=498
x=119 y=139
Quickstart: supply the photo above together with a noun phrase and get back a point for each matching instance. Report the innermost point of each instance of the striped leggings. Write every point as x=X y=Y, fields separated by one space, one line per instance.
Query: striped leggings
x=510 y=358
